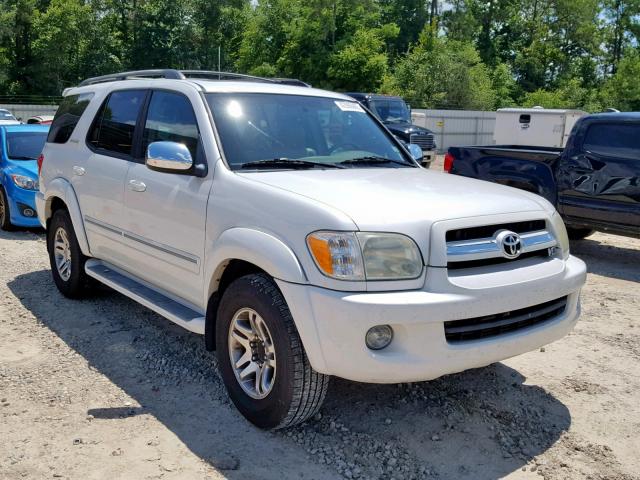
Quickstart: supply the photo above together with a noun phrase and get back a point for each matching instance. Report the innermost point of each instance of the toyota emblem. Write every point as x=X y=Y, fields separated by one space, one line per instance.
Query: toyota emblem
x=510 y=243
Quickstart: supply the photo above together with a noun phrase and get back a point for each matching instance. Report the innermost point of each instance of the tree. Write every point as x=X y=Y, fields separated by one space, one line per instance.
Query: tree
x=622 y=91
x=503 y=85
x=443 y=74
x=621 y=30
x=362 y=63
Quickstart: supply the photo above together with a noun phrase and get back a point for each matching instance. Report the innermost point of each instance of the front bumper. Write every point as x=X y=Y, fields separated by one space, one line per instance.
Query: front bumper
x=333 y=324
x=40 y=208
x=22 y=207
x=428 y=157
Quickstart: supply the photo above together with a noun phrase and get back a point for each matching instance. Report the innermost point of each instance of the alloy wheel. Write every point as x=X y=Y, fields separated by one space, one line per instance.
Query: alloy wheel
x=62 y=253
x=252 y=353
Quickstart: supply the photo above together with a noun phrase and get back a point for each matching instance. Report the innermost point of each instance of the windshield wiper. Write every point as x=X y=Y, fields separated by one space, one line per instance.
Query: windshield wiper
x=288 y=163
x=372 y=160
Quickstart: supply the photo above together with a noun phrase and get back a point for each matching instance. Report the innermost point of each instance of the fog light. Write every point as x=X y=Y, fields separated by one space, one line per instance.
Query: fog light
x=379 y=337
x=26 y=210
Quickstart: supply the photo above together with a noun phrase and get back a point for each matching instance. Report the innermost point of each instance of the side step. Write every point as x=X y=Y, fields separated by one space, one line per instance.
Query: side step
x=152 y=299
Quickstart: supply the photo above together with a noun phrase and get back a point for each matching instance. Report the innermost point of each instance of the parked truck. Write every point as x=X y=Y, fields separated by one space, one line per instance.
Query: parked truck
x=395 y=114
x=594 y=182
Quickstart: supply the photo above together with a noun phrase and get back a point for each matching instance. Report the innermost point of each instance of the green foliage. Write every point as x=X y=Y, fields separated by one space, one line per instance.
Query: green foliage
x=622 y=91
x=571 y=95
x=361 y=63
x=443 y=74
x=481 y=54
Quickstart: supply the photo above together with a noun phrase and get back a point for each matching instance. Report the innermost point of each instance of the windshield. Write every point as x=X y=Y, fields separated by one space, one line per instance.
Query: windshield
x=286 y=130
x=6 y=115
x=391 y=110
x=25 y=145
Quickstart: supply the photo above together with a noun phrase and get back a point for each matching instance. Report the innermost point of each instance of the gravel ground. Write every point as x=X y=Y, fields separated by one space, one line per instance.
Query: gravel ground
x=102 y=388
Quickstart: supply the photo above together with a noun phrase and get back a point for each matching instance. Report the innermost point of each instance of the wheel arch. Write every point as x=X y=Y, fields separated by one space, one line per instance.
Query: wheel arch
x=60 y=194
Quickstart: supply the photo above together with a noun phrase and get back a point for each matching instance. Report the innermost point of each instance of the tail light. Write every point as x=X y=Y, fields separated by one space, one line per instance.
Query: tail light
x=40 y=161
x=448 y=162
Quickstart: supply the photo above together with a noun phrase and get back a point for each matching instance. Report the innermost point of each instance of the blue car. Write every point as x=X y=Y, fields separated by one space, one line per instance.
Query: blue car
x=20 y=146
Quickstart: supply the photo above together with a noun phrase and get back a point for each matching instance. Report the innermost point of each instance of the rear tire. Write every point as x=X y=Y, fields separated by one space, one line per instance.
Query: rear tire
x=290 y=391
x=5 y=213
x=579 y=233
x=66 y=258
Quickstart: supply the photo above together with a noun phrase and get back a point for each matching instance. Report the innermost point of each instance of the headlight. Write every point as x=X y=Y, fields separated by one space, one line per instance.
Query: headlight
x=25 y=182
x=362 y=255
x=337 y=254
x=560 y=232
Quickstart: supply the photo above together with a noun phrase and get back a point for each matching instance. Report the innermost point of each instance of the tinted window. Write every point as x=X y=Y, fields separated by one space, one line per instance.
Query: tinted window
x=170 y=118
x=613 y=139
x=390 y=110
x=25 y=145
x=260 y=126
x=115 y=123
x=67 y=116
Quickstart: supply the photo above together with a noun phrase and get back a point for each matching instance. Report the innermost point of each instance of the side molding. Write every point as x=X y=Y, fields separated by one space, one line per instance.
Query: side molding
x=63 y=190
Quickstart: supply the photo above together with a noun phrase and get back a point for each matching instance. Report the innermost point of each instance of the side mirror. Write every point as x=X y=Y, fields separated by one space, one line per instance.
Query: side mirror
x=415 y=151
x=168 y=157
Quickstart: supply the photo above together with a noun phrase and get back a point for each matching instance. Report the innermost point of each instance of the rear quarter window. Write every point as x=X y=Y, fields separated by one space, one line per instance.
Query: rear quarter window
x=67 y=117
x=613 y=140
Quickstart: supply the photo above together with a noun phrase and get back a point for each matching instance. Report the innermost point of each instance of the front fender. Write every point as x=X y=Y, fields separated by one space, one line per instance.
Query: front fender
x=62 y=189
x=259 y=248
x=278 y=260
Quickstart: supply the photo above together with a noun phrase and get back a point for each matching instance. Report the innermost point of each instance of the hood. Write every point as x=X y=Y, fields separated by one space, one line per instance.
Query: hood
x=393 y=199
x=28 y=168
x=405 y=128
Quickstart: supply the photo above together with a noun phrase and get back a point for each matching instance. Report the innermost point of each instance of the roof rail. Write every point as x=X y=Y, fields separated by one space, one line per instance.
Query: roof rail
x=157 y=73
x=214 y=75
x=184 y=74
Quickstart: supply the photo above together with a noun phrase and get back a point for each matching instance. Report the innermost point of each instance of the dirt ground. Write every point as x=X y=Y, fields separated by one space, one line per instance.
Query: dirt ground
x=104 y=389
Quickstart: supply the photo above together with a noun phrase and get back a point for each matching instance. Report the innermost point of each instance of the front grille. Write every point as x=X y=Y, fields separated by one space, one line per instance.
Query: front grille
x=457 y=331
x=424 y=140
x=484 y=245
x=485 y=231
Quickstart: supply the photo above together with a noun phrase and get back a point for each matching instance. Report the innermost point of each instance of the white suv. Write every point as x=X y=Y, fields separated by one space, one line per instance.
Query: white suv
x=292 y=230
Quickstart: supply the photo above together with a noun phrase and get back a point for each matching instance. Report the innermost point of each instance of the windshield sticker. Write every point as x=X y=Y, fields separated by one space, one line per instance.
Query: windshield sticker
x=346 y=106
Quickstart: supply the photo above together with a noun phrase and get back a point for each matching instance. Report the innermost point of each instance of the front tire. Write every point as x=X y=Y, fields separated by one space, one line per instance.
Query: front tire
x=5 y=213
x=261 y=357
x=66 y=258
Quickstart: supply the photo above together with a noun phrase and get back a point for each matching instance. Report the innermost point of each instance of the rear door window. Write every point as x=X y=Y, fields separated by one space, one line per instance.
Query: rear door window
x=613 y=140
x=114 y=126
x=67 y=117
x=170 y=118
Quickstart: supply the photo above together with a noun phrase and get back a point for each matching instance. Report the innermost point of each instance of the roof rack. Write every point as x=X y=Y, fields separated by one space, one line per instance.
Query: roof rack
x=184 y=74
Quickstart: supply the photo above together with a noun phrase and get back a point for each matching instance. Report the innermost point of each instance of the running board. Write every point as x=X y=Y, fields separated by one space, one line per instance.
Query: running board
x=152 y=299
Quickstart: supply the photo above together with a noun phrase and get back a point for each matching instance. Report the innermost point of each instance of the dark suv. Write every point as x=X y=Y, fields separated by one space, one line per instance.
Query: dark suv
x=396 y=116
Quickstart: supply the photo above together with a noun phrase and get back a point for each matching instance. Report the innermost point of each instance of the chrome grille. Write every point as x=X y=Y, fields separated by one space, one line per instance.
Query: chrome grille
x=424 y=140
x=481 y=246
x=457 y=331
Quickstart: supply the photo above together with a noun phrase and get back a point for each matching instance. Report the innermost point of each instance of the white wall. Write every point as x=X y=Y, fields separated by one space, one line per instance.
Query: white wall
x=457 y=127
x=25 y=111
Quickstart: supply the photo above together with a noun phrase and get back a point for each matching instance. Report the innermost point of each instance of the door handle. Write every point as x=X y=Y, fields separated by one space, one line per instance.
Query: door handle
x=137 y=186
x=79 y=170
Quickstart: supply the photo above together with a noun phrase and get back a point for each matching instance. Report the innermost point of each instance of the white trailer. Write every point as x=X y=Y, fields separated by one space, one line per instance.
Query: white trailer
x=534 y=126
